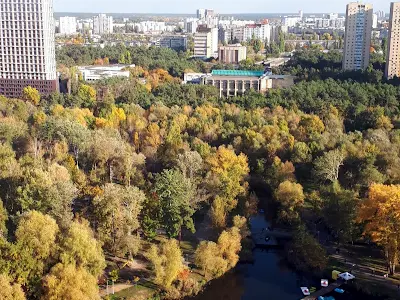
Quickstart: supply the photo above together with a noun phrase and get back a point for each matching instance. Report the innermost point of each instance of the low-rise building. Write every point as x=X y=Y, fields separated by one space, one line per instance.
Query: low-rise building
x=94 y=73
x=177 y=43
x=232 y=83
x=232 y=54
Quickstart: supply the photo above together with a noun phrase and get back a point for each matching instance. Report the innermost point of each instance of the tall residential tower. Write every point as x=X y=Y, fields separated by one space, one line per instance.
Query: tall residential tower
x=358 y=36
x=393 y=51
x=27 y=47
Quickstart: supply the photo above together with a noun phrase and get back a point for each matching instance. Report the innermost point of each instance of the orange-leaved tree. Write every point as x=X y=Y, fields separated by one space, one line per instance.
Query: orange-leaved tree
x=381 y=213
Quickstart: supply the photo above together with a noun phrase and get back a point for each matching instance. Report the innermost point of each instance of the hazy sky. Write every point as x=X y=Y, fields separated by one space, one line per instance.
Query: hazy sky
x=221 y=6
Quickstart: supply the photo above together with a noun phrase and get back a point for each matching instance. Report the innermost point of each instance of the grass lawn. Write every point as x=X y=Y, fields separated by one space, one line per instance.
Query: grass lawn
x=138 y=292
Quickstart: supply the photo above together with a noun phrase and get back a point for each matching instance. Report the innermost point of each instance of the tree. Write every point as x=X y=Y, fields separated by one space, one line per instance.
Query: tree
x=36 y=233
x=87 y=94
x=10 y=291
x=208 y=258
x=117 y=211
x=305 y=253
x=167 y=262
x=339 y=211
x=175 y=193
x=291 y=197
x=69 y=282
x=218 y=212
x=217 y=258
x=327 y=166
x=227 y=174
x=31 y=94
x=257 y=45
x=35 y=249
x=190 y=163
x=381 y=213
x=80 y=248
x=48 y=191
x=229 y=243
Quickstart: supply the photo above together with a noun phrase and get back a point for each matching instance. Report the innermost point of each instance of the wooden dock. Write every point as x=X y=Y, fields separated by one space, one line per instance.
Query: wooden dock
x=324 y=291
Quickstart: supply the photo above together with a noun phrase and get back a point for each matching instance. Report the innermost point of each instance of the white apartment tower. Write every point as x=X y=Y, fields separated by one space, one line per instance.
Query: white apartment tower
x=393 y=52
x=103 y=24
x=206 y=42
x=27 y=47
x=68 y=25
x=358 y=36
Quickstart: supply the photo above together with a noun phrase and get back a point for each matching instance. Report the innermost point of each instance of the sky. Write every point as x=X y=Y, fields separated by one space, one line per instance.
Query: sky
x=220 y=6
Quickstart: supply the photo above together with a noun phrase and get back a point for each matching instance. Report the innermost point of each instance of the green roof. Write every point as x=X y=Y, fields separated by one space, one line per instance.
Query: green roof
x=237 y=73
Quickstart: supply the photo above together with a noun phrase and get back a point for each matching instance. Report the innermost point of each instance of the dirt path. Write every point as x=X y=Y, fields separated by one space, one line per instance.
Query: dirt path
x=117 y=288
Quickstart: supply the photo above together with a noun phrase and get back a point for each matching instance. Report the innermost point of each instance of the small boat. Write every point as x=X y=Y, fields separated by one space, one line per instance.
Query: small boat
x=338 y=290
x=261 y=211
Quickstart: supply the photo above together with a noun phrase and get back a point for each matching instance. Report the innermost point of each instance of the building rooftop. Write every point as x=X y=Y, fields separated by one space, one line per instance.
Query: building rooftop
x=237 y=73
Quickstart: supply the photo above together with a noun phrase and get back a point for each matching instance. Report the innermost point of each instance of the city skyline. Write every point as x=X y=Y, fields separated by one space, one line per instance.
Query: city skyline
x=185 y=7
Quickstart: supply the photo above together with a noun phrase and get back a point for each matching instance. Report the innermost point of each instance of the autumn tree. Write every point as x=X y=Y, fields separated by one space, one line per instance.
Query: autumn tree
x=117 y=212
x=327 y=166
x=208 y=259
x=217 y=258
x=31 y=94
x=290 y=196
x=167 y=262
x=227 y=176
x=87 y=94
x=35 y=247
x=175 y=193
x=381 y=213
x=70 y=282
x=79 y=247
x=9 y=291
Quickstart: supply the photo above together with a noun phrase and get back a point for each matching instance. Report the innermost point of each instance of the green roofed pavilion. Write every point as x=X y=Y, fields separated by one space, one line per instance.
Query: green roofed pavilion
x=237 y=73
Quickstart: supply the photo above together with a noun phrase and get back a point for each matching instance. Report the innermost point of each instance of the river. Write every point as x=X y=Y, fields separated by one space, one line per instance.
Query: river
x=269 y=278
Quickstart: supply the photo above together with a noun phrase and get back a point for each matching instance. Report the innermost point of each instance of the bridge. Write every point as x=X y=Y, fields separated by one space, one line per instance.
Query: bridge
x=265 y=238
x=324 y=291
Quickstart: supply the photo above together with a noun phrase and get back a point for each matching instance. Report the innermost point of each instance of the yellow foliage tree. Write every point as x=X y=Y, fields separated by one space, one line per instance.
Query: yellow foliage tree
x=217 y=258
x=381 y=212
x=228 y=172
x=167 y=262
x=68 y=282
x=31 y=94
x=291 y=197
x=10 y=291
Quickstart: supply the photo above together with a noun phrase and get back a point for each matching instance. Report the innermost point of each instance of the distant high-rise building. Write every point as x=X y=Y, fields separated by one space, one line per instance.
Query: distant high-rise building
x=201 y=13
x=393 y=51
x=357 y=36
x=381 y=14
x=210 y=13
x=103 y=24
x=67 y=25
x=206 y=42
x=27 y=47
x=374 y=21
x=232 y=54
x=301 y=14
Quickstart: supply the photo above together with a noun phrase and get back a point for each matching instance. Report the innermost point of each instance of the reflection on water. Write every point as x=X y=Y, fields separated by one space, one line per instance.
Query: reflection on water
x=267 y=278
